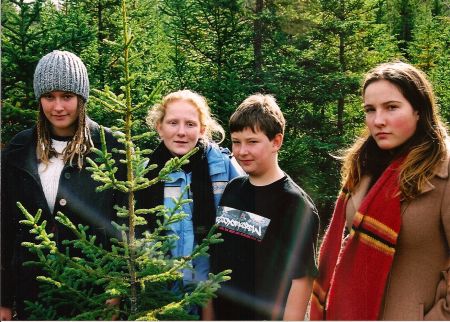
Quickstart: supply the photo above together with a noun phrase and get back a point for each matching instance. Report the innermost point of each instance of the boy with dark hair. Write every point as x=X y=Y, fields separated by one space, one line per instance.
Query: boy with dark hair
x=268 y=223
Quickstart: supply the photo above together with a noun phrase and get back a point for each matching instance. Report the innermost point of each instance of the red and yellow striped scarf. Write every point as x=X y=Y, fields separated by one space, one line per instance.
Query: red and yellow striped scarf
x=352 y=276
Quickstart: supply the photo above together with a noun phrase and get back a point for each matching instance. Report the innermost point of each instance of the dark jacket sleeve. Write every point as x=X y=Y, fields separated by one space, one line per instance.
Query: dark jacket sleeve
x=8 y=229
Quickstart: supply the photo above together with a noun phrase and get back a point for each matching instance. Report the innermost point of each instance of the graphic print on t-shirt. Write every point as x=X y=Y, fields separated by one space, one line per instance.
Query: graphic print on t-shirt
x=244 y=223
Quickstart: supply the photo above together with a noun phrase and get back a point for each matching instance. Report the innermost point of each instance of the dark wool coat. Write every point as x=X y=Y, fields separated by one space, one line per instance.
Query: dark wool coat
x=76 y=198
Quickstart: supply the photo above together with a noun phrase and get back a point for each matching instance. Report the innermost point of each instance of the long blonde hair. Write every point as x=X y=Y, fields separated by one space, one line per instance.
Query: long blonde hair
x=78 y=146
x=156 y=114
x=425 y=149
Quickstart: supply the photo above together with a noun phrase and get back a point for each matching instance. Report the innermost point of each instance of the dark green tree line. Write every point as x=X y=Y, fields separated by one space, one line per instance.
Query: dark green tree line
x=311 y=54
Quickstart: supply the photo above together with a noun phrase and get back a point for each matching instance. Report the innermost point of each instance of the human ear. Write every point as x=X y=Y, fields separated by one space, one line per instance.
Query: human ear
x=159 y=130
x=277 y=141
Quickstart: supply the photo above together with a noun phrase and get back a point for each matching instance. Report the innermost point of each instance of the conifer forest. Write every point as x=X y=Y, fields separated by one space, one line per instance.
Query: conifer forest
x=310 y=54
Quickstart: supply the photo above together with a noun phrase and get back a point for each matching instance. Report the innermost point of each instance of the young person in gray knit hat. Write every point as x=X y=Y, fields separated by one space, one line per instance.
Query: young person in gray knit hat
x=61 y=77
x=44 y=168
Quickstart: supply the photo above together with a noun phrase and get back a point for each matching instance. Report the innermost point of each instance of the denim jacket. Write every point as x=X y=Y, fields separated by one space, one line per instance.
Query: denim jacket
x=222 y=168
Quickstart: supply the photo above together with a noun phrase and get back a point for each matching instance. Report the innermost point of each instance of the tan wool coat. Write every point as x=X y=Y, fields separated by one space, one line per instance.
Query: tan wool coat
x=418 y=286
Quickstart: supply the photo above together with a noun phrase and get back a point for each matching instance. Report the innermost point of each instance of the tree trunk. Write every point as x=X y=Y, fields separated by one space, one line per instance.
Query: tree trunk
x=100 y=36
x=257 y=41
x=343 y=68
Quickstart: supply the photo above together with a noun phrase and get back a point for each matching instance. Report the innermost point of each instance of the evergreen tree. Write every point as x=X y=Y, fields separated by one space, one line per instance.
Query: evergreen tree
x=429 y=40
x=138 y=269
x=21 y=34
x=209 y=40
x=31 y=29
x=403 y=22
x=326 y=55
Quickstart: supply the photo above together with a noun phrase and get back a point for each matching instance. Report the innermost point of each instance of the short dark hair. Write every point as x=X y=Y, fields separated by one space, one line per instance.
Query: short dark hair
x=258 y=112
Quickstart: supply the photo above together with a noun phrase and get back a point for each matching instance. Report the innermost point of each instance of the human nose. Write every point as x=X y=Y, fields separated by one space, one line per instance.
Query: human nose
x=59 y=106
x=242 y=149
x=181 y=130
x=379 y=119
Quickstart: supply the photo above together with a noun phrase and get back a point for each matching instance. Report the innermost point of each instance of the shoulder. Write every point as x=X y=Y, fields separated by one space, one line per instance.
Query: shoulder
x=297 y=195
x=94 y=128
x=235 y=191
x=21 y=147
x=241 y=180
x=221 y=161
x=302 y=207
x=237 y=183
x=20 y=140
x=23 y=137
x=442 y=172
x=442 y=168
x=214 y=151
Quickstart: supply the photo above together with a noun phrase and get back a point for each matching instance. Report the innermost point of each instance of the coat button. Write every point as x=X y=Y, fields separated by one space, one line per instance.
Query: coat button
x=62 y=202
x=67 y=175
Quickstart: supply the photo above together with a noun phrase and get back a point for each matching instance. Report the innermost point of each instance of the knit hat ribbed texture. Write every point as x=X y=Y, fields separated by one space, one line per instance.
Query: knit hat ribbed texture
x=63 y=71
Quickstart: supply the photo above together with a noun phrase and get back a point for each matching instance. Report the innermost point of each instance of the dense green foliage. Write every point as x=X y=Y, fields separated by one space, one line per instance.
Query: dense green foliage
x=311 y=54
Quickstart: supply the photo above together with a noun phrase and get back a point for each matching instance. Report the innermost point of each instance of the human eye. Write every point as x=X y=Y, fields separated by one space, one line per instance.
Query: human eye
x=191 y=124
x=171 y=122
x=368 y=109
x=47 y=96
x=392 y=107
x=68 y=96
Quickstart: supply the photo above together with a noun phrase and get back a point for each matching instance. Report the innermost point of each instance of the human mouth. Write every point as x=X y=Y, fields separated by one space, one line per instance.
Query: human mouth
x=59 y=117
x=381 y=135
x=245 y=162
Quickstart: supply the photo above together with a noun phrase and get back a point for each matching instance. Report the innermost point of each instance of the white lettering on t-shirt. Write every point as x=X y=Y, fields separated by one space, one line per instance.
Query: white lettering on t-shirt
x=242 y=222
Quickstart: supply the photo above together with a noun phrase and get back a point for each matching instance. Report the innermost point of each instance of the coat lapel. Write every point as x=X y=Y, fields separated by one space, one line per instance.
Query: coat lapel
x=441 y=172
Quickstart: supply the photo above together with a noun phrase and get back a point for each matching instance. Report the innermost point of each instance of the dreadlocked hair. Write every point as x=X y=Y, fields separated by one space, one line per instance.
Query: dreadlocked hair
x=78 y=146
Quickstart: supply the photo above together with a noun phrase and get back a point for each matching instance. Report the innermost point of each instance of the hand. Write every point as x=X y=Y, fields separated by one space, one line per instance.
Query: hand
x=5 y=313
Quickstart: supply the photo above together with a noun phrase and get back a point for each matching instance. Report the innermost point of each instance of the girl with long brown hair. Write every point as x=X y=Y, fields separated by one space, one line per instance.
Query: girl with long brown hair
x=393 y=211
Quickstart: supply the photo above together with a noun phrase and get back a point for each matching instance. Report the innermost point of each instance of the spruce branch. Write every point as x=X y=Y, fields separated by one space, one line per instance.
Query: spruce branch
x=170 y=166
x=110 y=100
x=46 y=242
x=105 y=172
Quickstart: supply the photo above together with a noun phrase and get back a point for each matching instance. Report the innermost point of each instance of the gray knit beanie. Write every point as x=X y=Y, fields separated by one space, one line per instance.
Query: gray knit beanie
x=63 y=71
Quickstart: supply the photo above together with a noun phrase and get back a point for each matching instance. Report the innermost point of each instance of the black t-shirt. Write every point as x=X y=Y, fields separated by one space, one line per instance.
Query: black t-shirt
x=270 y=234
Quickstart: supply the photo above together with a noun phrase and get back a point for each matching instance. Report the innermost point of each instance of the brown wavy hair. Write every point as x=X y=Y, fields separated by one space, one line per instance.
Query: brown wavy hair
x=77 y=147
x=424 y=150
